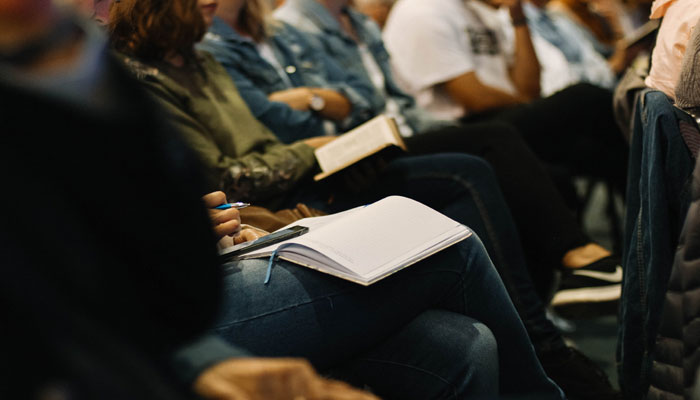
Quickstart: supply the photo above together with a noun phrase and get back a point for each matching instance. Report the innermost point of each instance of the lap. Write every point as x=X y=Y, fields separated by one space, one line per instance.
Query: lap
x=306 y=313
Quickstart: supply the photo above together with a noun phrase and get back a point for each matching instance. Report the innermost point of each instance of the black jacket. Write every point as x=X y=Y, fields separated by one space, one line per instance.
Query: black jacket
x=677 y=351
x=107 y=259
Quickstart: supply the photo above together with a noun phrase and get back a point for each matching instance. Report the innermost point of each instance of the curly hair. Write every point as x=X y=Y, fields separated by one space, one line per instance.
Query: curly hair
x=154 y=29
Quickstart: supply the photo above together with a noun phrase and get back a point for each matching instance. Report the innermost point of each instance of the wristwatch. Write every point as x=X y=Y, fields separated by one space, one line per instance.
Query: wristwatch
x=317 y=103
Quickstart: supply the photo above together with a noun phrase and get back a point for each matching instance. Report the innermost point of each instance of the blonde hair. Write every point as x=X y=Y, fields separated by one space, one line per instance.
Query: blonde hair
x=254 y=19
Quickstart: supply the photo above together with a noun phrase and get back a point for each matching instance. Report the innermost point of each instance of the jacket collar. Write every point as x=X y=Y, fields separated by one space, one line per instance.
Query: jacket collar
x=316 y=12
x=222 y=31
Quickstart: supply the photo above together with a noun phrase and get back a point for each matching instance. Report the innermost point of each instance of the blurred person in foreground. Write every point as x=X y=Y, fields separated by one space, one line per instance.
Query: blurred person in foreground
x=111 y=285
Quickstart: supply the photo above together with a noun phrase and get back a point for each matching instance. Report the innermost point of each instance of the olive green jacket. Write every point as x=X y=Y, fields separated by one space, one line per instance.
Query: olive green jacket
x=241 y=156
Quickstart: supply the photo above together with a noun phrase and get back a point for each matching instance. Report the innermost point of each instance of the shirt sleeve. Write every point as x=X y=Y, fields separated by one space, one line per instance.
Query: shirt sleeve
x=256 y=176
x=671 y=41
x=190 y=360
x=332 y=76
x=287 y=123
x=426 y=49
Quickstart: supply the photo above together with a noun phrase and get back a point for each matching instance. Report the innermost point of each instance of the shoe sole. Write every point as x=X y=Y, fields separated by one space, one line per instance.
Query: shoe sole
x=612 y=277
x=587 y=295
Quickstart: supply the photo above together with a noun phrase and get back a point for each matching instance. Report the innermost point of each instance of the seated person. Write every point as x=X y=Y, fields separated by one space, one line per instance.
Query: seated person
x=468 y=69
x=679 y=20
x=253 y=50
x=134 y=275
x=581 y=61
x=207 y=120
x=604 y=22
x=119 y=269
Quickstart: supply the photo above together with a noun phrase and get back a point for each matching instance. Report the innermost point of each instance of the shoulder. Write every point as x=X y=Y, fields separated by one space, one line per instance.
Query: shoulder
x=139 y=69
x=683 y=14
x=296 y=18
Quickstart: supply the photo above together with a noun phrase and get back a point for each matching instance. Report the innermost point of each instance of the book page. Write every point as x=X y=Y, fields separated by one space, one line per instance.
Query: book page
x=376 y=235
x=356 y=144
x=367 y=243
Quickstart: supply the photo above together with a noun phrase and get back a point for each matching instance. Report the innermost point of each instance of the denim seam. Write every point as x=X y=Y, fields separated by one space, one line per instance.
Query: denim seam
x=479 y=204
x=277 y=311
x=642 y=292
x=640 y=259
x=445 y=381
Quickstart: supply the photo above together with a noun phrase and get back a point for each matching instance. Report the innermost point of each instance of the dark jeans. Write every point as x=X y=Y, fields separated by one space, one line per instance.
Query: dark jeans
x=547 y=227
x=658 y=198
x=430 y=331
x=575 y=128
x=464 y=188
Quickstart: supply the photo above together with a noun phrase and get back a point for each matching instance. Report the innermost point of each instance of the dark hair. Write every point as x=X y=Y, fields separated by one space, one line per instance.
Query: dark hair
x=152 y=29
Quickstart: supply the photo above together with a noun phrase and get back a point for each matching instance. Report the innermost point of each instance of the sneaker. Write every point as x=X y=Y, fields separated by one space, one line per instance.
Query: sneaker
x=607 y=269
x=578 y=376
x=598 y=282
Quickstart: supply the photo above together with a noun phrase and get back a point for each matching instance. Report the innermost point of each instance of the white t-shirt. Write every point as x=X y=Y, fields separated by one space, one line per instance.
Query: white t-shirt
x=433 y=41
x=266 y=52
x=555 y=71
x=377 y=76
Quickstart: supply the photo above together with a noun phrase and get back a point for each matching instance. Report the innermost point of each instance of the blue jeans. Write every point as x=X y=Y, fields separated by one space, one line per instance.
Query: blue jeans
x=465 y=188
x=658 y=197
x=442 y=328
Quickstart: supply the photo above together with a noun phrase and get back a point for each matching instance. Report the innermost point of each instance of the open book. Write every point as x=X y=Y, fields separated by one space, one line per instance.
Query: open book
x=366 y=244
x=369 y=138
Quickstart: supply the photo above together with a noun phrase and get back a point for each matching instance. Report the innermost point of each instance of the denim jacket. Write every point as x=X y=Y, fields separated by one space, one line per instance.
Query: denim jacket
x=312 y=17
x=255 y=79
x=658 y=198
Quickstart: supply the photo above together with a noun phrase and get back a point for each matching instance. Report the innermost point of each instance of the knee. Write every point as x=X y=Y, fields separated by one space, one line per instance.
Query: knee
x=473 y=353
x=472 y=168
x=592 y=93
x=501 y=133
x=467 y=349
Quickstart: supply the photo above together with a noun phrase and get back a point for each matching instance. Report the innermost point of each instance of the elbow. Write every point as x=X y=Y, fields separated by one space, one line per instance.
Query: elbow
x=478 y=107
x=529 y=89
x=532 y=92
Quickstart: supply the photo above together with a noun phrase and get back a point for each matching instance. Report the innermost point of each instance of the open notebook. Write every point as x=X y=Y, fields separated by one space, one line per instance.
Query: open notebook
x=368 y=243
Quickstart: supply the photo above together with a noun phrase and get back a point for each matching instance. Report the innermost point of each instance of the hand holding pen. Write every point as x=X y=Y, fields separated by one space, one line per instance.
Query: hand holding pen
x=224 y=216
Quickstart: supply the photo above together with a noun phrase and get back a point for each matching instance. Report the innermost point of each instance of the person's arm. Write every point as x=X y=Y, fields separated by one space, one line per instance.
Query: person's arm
x=336 y=106
x=327 y=73
x=468 y=91
x=263 y=174
x=445 y=59
x=525 y=71
x=287 y=123
x=216 y=370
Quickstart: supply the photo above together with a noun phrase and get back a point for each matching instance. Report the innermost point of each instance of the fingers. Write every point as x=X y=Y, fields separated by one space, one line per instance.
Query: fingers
x=248 y=234
x=214 y=199
x=225 y=222
x=319 y=141
x=227 y=228
x=335 y=390
x=222 y=216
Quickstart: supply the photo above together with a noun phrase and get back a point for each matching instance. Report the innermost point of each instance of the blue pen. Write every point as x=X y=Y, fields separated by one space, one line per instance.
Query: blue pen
x=237 y=205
